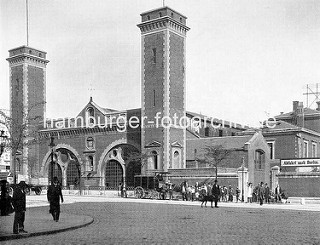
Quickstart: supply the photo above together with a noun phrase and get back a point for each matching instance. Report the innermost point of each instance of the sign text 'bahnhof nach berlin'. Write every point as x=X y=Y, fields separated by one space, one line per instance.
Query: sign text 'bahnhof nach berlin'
x=300 y=162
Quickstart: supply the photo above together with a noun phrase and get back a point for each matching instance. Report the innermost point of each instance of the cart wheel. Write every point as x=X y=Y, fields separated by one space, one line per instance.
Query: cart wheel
x=37 y=190
x=138 y=192
x=27 y=190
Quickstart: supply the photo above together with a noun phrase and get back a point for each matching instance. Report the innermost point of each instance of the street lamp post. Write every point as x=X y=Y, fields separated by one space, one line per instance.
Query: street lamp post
x=52 y=145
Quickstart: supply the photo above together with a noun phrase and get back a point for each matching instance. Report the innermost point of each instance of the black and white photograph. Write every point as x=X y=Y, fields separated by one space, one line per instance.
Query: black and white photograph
x=159 y=122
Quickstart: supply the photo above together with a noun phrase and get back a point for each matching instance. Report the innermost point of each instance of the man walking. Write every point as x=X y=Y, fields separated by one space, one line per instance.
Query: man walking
x=53 y=196
x=267 y=193
x=19 y=205
x=261 y=193
x=216 y=193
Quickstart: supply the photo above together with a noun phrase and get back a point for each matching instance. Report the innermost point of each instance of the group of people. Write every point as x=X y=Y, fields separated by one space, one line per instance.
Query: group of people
x=263 y=194
x=17 y=203
x=195 y=193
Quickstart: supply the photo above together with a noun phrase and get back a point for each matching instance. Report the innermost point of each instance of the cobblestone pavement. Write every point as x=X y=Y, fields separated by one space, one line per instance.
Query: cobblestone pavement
x=152 y=223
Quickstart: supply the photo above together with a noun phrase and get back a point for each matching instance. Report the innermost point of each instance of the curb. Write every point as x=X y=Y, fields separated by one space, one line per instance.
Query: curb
x=41 y=233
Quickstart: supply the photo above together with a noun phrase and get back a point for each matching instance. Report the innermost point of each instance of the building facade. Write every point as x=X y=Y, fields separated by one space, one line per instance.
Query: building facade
x=98 y=146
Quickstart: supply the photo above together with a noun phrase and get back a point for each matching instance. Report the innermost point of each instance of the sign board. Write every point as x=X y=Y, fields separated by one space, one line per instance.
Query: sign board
x=303 y=162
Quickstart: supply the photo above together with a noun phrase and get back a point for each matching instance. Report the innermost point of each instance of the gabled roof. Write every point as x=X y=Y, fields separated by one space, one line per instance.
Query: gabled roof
x=102 y=110
x=282 y=125
x=216 y=120
x=306 y=112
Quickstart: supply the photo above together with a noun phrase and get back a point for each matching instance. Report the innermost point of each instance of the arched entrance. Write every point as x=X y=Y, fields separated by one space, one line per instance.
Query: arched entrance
x=66 y=167
x=121 y=165
x=113 y=174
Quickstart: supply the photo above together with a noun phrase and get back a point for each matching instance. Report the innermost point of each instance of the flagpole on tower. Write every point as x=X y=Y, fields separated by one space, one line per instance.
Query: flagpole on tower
x=27 y=13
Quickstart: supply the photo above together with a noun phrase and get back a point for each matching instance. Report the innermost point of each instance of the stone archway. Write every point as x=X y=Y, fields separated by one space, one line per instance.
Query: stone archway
x=64 y=155
x=117 y=153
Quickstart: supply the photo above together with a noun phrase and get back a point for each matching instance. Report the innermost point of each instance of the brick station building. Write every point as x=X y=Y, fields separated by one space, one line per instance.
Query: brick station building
x=100 y=156
x=295 y=137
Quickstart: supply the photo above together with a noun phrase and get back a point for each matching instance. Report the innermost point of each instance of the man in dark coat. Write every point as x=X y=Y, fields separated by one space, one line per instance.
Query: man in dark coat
x=216 y=193
x=19 y=205
x=53 y=195
x=261 y=193
x=267 y=193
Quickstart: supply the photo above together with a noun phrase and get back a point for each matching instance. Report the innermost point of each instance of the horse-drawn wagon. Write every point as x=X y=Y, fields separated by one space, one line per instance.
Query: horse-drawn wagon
x=152 y=187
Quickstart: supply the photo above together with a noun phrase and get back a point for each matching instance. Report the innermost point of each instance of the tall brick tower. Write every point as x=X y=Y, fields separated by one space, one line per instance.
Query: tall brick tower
x=163 y=42
x=27 y=98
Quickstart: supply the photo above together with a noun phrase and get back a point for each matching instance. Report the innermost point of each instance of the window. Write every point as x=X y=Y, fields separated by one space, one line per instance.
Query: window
x=271 y=146
x=305 y=149
x=259 y=159
x=90 y=166
x=160 y=14
x=154 y=57
x=90 y=143
x=154 y=158
x=148 y=17
x=206 y=131
x=180 y=19
x=176 y=159
x=90 y=115
x=314 y=149
x=18 y=165
x=220 y=132
x=171 y=15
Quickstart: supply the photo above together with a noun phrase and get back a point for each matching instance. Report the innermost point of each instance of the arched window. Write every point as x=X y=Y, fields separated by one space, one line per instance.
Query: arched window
x=90 y=115
x=160 y=14
x=90 y=166
x=259 y=159
x=176 y=159
x=154 y=156
x=148 y=17
x=90 y=143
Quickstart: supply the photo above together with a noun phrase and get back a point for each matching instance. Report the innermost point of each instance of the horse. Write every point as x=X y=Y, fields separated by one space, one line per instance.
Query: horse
x=205 y=197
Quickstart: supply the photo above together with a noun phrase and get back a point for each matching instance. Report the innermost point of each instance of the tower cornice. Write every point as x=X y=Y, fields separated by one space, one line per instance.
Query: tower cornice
x=26 y=57
x=161 y=24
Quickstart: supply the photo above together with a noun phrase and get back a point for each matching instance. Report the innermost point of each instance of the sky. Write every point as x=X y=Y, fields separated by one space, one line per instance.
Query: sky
x=246 y=60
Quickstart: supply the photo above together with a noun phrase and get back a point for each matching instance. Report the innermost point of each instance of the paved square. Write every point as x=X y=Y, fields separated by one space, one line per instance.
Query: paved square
x=147 y=223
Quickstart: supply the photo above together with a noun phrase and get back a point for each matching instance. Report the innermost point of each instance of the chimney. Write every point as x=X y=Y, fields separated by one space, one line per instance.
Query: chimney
x=318 y=103
x=298 y=118
x=295 y=106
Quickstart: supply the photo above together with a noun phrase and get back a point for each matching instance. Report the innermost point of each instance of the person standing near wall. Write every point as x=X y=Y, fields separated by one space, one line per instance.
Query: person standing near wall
x=54 y=194
x=250 y=191
x=19 y=205
x=261 y=193
x=267 y=193
x=216 y=193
